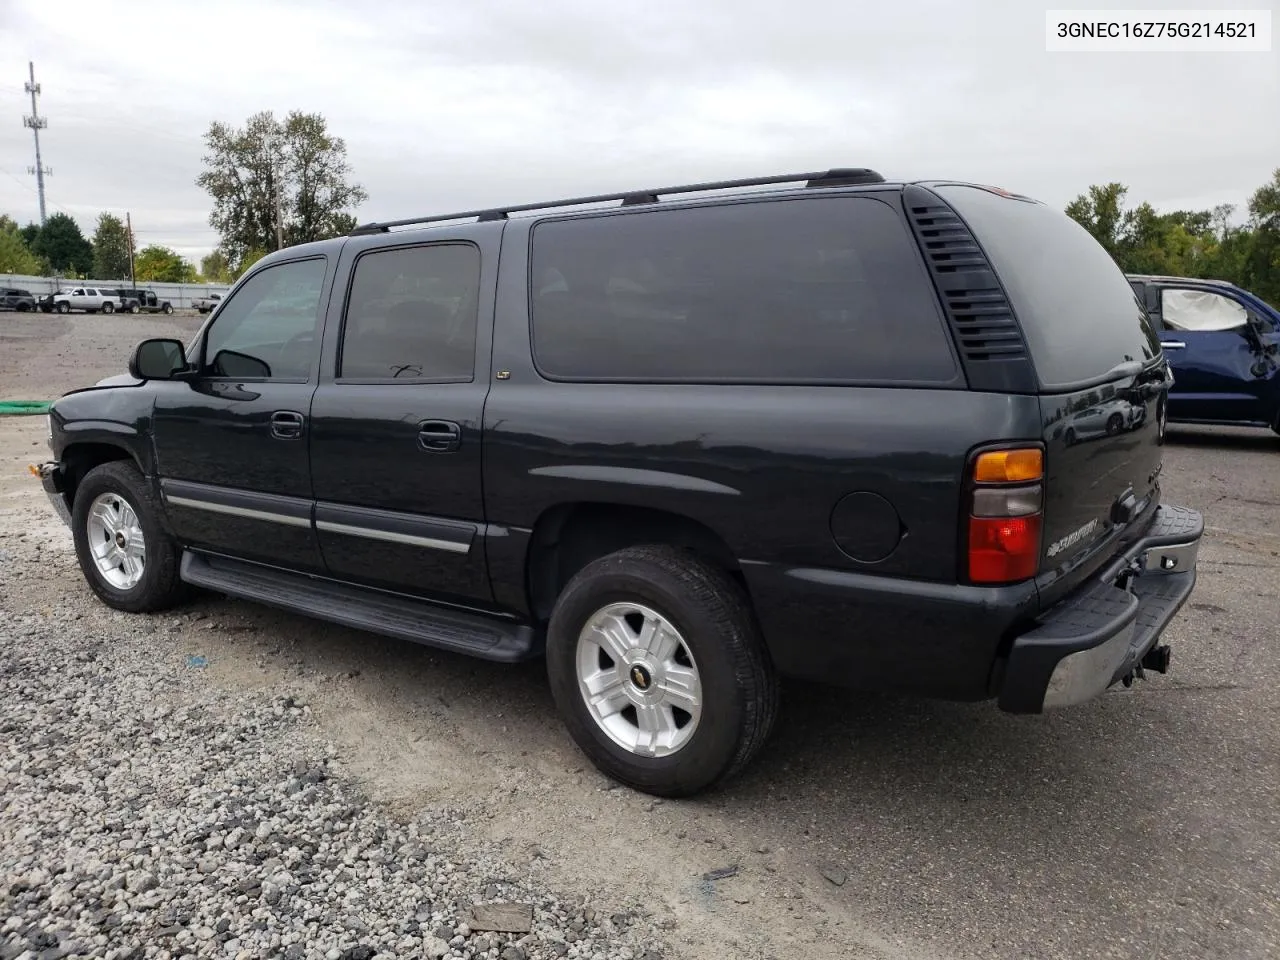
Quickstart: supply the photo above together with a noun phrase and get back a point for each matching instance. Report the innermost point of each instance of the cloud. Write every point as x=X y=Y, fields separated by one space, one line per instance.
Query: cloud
x=451 y=106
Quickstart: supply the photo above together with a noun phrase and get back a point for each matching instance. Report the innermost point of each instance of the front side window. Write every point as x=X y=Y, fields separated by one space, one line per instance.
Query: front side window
x=411 y=314
x=268 y=329
x=1201 y=311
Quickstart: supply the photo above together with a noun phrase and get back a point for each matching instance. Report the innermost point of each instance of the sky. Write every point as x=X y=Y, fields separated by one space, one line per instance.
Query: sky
x=473 y=103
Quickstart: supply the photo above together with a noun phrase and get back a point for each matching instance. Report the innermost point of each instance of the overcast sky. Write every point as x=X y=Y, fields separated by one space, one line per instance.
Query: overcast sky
x=474 y=102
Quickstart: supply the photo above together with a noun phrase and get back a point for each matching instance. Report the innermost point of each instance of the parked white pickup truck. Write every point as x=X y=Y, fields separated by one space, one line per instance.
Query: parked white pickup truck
x=206 y=304
x=88 y=299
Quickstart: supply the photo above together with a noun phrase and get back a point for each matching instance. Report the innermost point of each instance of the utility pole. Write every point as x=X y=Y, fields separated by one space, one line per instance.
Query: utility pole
x=275 y=182
x=36 y=123
x=128 y=226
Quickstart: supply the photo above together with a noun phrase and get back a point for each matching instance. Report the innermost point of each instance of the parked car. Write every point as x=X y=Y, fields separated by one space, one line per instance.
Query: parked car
x=1223 y=344
x=150 y=303
x=207 y=304
x=833 y=453
x=12 y=298
x=87 y=299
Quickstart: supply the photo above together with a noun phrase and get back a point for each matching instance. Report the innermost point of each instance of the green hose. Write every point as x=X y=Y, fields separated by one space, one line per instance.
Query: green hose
x=17 y=408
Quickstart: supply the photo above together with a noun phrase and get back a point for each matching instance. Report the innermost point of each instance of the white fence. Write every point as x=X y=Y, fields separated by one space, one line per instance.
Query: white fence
x=179 y=294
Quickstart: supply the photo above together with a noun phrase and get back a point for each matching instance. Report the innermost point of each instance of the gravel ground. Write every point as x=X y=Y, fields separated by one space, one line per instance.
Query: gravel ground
x=145 y=813
x=1143 y=826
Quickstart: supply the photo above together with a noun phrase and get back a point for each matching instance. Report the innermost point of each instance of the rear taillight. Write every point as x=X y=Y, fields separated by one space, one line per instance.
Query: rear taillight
x=1005 y=515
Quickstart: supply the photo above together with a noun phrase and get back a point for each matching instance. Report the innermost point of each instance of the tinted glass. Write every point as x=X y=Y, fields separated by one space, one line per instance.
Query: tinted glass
x=268 y=329
x=1078 y=312
x=411 y=314
x=827 y=289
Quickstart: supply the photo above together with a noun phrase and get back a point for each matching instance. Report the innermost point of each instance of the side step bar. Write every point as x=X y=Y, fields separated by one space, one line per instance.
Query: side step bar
x=389 y=614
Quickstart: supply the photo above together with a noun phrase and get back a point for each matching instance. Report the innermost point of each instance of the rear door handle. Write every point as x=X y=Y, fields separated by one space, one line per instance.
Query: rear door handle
x=1173 y=344
x=439 y=436
x=286 y=425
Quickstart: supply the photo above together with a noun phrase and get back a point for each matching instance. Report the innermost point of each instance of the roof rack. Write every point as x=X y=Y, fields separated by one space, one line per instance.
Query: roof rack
x=829 y=178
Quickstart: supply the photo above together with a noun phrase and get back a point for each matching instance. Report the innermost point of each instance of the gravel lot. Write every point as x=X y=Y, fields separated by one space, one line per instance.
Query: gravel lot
x=229 y=781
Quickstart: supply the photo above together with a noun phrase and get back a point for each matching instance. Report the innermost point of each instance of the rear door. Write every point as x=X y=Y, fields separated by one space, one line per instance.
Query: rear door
x=1216 y=351
x=1102 y=375
x=397 y=418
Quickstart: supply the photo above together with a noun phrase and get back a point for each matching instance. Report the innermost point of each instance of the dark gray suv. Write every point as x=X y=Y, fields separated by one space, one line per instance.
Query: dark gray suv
x=683 y=442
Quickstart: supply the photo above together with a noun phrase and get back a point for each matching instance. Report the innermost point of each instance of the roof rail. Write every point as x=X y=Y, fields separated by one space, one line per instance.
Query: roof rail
x=829 y=178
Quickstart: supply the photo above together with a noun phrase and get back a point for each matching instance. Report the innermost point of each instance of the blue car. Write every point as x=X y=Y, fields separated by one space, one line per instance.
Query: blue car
x=1223 y=344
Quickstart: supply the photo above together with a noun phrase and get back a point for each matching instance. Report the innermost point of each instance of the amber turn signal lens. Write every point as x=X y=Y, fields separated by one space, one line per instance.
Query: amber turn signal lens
x=1009 y=466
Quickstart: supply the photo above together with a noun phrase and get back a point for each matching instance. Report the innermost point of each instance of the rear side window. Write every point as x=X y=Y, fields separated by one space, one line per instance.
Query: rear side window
x=411 y=314
x=821 y=290
x=1078 y=312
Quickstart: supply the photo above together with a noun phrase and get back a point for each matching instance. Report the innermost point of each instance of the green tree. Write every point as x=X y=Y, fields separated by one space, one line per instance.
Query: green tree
x=248 y=260
x=215 y=268
x=62 y=244
x=156 y=264
x=15 y=255
x=1100 y=212
x=29 y=233
x=111 y=243
x=294 y=166
x=1262 y=254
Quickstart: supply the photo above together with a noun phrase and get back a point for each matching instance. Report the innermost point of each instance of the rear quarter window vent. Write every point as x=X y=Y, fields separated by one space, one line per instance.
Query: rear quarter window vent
x=986 y=332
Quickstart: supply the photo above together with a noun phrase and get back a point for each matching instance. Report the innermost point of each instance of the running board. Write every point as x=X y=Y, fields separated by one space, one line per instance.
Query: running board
x=389 y=614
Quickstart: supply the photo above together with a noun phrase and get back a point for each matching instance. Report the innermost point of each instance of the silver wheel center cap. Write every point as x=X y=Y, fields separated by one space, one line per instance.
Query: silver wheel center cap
x=122 y=539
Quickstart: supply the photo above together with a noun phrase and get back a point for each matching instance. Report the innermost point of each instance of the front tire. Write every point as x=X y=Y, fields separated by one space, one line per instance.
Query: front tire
x=168 y=309
x=127 y=557
x=659 y=671
x=64 y=307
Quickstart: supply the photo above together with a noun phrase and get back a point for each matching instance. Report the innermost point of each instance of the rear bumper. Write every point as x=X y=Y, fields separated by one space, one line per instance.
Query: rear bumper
x=52 y=478
x=1100 y=633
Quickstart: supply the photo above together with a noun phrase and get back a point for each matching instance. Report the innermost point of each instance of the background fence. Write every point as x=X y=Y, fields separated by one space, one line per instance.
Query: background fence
x=179 y=294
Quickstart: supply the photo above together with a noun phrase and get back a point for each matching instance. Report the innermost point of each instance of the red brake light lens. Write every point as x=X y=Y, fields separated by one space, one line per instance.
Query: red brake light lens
x=1003 y=549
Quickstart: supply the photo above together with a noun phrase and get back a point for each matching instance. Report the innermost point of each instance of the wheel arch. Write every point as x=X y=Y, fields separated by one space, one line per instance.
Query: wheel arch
x=81 y=456
x=568 y=536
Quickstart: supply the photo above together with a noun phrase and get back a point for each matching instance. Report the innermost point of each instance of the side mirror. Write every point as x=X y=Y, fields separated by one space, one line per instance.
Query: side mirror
x=158 y=359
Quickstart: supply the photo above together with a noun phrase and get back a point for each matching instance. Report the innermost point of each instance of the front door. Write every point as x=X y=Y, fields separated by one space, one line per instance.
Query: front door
x=231 y=443
x=396 y=421
x=1220 y=373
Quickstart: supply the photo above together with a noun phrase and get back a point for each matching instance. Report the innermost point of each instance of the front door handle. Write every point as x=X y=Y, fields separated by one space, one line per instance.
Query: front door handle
x=286 y=425
x=439 y=436
x=1173 y=344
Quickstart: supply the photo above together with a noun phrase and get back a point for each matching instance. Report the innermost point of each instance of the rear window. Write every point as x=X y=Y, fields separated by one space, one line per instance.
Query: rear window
x=1077 y=309
x=817 y=290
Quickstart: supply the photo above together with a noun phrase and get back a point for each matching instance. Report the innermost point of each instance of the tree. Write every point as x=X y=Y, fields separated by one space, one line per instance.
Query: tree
x=248 y=260
x=111 y=248
x=1189 y=243
x=294 y=165
x=215 y=268
x=62 y=244
x=15 y=255
x=158 y=264
x=29 y=233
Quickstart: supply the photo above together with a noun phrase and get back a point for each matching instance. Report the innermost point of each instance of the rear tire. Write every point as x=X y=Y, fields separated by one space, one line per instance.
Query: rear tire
x=1114 y=424
x=671 y=623
x=168 y=309
x=108 y=307
x=135 y=309
x=115 y=522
